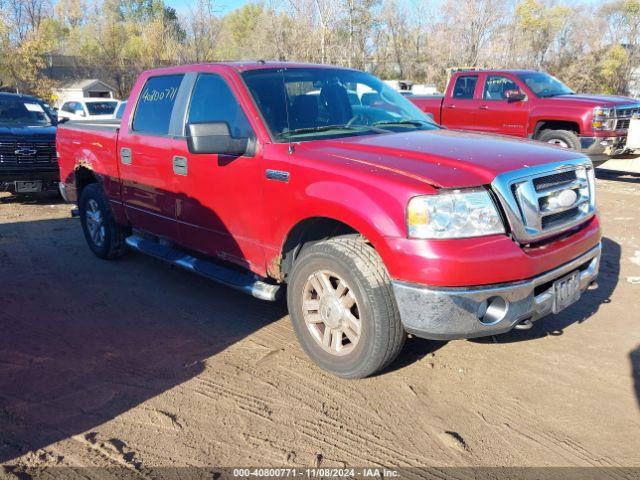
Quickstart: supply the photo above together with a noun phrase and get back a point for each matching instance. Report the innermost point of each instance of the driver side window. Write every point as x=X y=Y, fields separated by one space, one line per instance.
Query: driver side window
x=497 y=88
x=213 y=101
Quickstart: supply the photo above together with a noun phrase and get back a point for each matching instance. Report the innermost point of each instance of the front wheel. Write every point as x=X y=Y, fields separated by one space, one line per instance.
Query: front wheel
x=104 y=236
x=343 y=309
x=560 y=138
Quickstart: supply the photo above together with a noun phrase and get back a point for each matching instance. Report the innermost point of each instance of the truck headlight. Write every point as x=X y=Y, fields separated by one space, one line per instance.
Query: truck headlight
x=453 y=214
x=603 y=118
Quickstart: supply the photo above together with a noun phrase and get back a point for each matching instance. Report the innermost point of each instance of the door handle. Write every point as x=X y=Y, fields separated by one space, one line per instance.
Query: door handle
x=449 y=105
x=483 y=107
x=125 y=156
x=180 y=165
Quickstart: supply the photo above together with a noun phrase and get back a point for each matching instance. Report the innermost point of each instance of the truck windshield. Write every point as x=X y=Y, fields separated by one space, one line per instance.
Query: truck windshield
x=101 y=108
x=25 y=112
x=300 y=104
x=544 y=85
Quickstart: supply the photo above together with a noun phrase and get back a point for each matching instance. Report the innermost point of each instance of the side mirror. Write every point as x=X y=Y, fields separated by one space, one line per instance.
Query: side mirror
x=515 y=96
x=214 y=137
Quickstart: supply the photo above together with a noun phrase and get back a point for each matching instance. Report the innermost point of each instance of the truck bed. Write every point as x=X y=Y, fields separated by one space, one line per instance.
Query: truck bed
x=91 y=144
x=429 y=104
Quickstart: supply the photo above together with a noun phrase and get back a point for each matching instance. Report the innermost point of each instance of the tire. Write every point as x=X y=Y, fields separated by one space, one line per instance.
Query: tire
x=561 y=138
x=347 y=280
x=103 y=235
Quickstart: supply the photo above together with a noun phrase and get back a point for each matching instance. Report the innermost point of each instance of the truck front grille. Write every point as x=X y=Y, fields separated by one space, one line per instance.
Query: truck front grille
x=28 y=152
x=540 y=202
x=623 y=124
x=624 y=114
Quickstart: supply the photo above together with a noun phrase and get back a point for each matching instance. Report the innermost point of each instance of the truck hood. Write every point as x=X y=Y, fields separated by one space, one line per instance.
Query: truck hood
x=443 y=158
x=28 y=131
x=594 y=100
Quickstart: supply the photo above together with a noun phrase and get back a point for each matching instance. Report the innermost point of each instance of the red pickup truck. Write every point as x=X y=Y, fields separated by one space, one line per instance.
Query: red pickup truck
x=323 y=179
x=536 y=105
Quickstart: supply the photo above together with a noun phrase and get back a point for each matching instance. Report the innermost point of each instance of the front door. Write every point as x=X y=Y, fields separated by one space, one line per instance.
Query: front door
x=219 y=198
x=496 y=114
x=145 y=156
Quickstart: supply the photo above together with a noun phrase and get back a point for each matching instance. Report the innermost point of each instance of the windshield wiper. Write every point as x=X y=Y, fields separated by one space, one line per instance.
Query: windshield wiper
x=326 y=128
x=415 y=123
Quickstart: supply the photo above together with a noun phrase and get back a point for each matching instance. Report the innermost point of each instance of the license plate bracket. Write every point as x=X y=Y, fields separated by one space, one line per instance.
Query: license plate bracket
x=28 y=186
x=566 y=291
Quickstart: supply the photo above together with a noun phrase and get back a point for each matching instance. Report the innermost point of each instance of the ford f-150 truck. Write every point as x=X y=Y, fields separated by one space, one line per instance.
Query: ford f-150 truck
x=379 y=222
x=536 y=105
x=28 y=161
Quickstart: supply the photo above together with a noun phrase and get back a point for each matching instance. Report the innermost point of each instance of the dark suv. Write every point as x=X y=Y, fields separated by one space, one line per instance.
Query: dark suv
x=28 y=160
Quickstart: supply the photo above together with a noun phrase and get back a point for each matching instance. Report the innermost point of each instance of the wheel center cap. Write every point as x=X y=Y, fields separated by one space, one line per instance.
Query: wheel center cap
x=331 y=311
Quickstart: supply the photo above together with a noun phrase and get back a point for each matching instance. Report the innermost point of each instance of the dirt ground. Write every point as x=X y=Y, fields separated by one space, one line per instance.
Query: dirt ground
x=137 y=365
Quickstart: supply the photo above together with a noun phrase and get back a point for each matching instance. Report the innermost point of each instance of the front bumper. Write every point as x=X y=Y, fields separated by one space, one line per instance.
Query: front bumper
x=603 y=146
x=450 y=313
x=49 y=179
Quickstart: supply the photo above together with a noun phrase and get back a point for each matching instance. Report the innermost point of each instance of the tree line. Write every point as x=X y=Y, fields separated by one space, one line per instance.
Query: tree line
x=590 y=46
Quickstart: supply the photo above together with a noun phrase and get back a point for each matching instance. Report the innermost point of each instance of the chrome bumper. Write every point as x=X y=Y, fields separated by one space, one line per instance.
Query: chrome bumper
x=603 y=146
x=460 y=312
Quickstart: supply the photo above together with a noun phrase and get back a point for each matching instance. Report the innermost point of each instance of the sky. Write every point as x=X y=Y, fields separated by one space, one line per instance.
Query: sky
x=225 y=6
x=221 y=6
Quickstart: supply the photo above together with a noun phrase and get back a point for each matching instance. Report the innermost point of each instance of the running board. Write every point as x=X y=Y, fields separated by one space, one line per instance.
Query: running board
x=244 y=282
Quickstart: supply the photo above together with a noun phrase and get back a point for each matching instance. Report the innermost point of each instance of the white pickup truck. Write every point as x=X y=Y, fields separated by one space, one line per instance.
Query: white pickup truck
x=88 y=109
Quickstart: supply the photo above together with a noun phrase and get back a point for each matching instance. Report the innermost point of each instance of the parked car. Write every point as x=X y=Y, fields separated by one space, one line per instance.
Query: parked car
x=378 y=221
x=88 y=109
x=28 y=161
x=536 y=105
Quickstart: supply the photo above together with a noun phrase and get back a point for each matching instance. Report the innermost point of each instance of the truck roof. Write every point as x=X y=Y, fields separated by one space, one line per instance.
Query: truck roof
x=18 y=95
x=243 y=66
x=491 y=70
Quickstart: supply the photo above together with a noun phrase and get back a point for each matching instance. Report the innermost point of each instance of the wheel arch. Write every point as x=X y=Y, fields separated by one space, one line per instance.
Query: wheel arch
x=569 y=125
x=311 y=230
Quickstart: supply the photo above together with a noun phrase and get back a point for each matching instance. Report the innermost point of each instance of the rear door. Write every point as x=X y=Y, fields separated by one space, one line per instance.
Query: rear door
x=460 y=106
x=220 y=207
x=145 y=148
x=495 y=113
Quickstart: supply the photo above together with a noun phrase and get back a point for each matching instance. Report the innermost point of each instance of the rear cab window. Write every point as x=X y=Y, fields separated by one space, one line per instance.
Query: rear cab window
x=155 y=105
x=465 y=87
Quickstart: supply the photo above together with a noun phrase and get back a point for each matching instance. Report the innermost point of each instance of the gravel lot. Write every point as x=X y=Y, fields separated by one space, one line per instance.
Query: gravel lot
x=135 y=365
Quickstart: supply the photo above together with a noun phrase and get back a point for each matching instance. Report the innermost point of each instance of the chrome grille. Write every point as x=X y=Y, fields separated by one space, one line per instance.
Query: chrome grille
x=624 y=114
x=622 y=124
x=627 y=111
x=39 y=152
x=545 y=200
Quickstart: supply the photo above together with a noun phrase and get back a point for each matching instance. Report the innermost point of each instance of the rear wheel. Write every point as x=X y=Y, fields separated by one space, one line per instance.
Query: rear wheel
x=104 y=236
x=560 y=138
x=343 y=309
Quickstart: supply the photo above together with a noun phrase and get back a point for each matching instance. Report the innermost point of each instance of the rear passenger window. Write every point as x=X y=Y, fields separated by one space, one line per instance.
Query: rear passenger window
x=155 y=105
x=465 y=86
x=213 y=101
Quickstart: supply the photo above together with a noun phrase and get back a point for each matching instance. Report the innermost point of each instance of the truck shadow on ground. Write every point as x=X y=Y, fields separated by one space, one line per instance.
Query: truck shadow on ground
x=85 y=340
x=618 y=176
x=579 y=312
x=43 y=198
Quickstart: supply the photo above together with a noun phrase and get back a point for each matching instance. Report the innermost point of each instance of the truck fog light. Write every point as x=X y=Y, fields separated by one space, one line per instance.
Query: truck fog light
x=495 y=309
